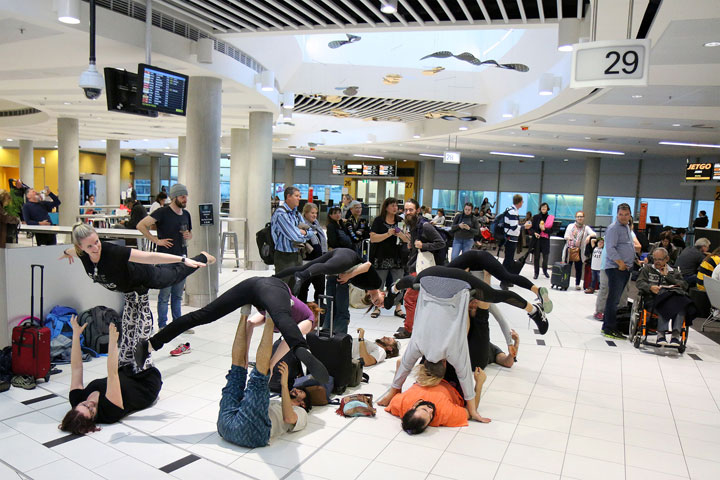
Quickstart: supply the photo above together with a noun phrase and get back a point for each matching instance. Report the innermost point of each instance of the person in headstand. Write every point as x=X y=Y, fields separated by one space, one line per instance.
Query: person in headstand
x=126 y=389
x=269 y=294
x=247 y=416
x=130 y=271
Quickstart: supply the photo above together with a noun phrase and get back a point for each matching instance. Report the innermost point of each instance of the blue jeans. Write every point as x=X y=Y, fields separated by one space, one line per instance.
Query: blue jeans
x=173 y=293
x=243 y=418
x=341 y=306
x=461 y=245
x=617 y=279
x=595 y=282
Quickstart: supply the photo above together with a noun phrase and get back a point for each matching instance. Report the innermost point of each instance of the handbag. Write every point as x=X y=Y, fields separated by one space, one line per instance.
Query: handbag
x=424 y=260
x=574 y=254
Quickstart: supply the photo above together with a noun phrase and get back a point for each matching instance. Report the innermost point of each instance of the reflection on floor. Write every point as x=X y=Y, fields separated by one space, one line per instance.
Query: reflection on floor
x=576 y=407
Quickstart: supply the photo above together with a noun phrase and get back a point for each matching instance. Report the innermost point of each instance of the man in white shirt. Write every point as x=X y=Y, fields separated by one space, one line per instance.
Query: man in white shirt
x=374 y=352
x=247 y=415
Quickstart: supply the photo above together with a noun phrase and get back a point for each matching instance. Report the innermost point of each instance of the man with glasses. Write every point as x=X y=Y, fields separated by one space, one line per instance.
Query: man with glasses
x=620 y=255
x=576 y=237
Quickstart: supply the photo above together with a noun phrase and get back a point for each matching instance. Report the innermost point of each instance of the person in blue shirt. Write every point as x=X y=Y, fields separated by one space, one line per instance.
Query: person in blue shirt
x=620 y=255
x=287 y=234
x=36 y=212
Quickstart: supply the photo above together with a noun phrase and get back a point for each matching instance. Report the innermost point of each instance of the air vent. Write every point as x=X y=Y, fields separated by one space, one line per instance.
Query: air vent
x=19 y=112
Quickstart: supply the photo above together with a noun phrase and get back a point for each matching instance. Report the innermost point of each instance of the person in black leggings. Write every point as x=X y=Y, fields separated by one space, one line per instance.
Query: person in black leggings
x=476 y=260
x=265 y=293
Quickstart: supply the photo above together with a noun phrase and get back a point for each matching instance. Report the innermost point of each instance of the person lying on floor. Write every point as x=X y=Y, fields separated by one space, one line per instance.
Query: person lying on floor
x=123 y=391
x=269 y=294
x=501 y=358
x=247 y=416
x=432 y=401
x=375 y=352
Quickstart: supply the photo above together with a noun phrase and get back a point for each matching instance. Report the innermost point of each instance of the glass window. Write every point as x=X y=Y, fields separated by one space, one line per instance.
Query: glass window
x=531 y=202
x=608 y=205
x=672 y=212
x=321 y=190
x=142 y=189
x=708 y=206
x=476 y=197
x=446 y=199
x=276 y=190
x=562 y=205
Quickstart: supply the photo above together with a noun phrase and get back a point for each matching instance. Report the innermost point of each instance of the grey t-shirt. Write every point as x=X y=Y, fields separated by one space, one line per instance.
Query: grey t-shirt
x=278 y=425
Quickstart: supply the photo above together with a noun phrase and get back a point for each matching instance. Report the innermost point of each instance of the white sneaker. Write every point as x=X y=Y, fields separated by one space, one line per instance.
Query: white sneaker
x=189 y=331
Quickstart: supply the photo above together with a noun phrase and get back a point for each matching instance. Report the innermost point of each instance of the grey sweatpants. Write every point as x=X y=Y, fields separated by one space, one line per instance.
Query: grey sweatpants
x=603 y=293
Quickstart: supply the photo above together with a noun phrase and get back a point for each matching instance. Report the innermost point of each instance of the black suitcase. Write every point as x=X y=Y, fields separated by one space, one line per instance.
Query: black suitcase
x=560 y=277
x=334 y=351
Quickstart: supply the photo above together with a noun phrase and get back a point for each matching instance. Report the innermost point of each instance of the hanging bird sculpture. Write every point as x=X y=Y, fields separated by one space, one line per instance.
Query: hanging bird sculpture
x=340 y=43
x=473 y=60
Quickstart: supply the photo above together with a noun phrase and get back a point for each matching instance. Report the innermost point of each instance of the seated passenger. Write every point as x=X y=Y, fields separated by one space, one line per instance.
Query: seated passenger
x=689 y=260
x=247 y=416
x=374 y=352
x=706 y=267
x=655 y=282
x=666 y=243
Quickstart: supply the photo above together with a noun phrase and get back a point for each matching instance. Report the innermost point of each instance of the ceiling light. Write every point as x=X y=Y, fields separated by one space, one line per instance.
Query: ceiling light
x=67 y=103
x=508 y=154
x=590 y=150
x=68 y=11
x=146 y=139
x=300 y=161
x=637 y=96
x=416 y=136
x=685 y=144
x=587 y=138
x=9 y=139
x=712 y=44
x=301 y=156
x=288 y=100
x=267 y=81
x=510 y=110
x=388 y=6
x=170 y=154
x=547 y=84
x=367 y=156
x=565 y=159
x=572 y=119
x=568 y=34
x=462 y=128
x=430 y=155
x=675 y=124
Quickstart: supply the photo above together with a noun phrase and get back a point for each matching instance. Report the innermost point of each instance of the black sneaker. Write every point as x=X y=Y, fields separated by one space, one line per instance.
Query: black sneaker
x=661 y=341
x=675 y=342
x=314 y=366
x=141 y=352
x=389 y=301
x=540 y=319
x=614 y=334
x=4 y=386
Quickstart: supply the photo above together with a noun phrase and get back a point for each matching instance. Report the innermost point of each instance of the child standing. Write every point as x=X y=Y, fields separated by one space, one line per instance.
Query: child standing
x=595 y=265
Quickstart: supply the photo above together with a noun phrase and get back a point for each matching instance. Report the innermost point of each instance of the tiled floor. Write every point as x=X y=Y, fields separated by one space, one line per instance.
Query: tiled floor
x=576 y=407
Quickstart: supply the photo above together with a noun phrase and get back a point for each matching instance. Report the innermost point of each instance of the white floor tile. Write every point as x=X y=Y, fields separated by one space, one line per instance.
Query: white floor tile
x=358 y=444
x=62 y=469
x=595 y=448
x=148 y=449
x=281 y=453
x=584 y=468
x=600 y=430
x=536 y=437
x=208 y=471
x=410 y=456
x=24 y=454
x=701 y=469
x=377 y=470
x=259 y=470
x=313 y=435
x=88 y=452
x=128 y=467
x=547 y=405
x=496 y=429
x=187 y=430
x=433 y=437
x=511 y=472
x=37 y=426
x=539 y=458
x=334 y=465
x=655 y=460
x=478 y=447
x=635 y=473
x=452 y=465
x=546 y=421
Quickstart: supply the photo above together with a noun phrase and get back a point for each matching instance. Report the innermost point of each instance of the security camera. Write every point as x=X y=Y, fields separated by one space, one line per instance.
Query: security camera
x=91 y=82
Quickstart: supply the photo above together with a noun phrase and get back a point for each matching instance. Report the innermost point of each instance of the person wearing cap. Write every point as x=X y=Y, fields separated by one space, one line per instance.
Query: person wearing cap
x=174 y=229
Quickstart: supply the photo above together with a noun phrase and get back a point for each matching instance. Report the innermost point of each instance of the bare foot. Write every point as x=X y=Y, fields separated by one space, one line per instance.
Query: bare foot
x=210 y=258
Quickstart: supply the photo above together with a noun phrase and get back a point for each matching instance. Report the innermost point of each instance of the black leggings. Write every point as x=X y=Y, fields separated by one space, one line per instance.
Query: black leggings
x=265 y=293
x=579 y=271
x=484 y=260
x=334 y=262
x=483 y=291
x=540 y=246
x=162 y=276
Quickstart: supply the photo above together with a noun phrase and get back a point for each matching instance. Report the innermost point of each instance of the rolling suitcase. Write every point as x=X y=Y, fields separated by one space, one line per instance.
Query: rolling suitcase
x=334 y=351
x=30 y=340
x=560 y=278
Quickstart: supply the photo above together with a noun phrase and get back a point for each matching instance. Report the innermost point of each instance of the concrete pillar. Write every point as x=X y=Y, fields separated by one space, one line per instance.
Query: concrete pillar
x=428 y=175
x=182 y=167
x=202 y=178
x=114 y=182
x=289 y=173
x=239 y=178
x=258 y=192
x=154 y=176
x=68 y=169
x=27 y=164
x=592 y=179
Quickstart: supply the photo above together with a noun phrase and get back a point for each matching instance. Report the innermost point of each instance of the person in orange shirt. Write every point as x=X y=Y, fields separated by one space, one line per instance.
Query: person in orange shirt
x=432 y=401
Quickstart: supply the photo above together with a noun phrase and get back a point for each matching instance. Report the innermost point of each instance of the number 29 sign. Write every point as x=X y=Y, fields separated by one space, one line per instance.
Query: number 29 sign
x=610 y=63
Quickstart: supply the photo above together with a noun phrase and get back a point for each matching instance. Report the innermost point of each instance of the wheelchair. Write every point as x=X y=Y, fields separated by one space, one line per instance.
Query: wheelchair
x=643 y=322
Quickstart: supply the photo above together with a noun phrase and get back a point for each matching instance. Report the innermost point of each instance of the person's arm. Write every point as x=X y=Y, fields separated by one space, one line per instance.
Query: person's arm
x=497 y=315
x=435 y=241
x=475 y=227
x=113 y=392
x=362 y=349
x=455 y=223
x=26 y=214
x=76 y=361
x=643 y=281
x=54 y=203
x=379 y=237
x=406 y=282
x=345 y=277
x=155 y=258
x=285 y=226
x=409 y=359
x=611 y=253
x=289 y=415
x=144 y=227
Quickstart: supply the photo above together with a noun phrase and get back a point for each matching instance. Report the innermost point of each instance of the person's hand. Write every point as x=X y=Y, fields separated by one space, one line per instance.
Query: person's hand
x=283 y=369
x=392 y=231
x=186 y=234
x=164 y=242
x=621 y=265
x=194 y=263
x=514 y=335
x=113 y=334
x=361 y=332
x=76 y=328
x=44 y=222
x=385 y=400
x=70 y=258
x=479 y=418
x=418 y=244
x=512 y=351
x=343 y=278
x=655 y=289
x=537 y=235
x=480 y=375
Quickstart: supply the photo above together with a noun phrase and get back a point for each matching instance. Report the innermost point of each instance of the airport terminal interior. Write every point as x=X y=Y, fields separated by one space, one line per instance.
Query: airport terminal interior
x=116 y=113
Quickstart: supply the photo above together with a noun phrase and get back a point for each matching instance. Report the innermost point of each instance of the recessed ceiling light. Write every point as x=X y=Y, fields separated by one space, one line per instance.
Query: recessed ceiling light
x=9 y=139
x=463 y=128
x=66 y=103
x=571 y=119
x=637 y=96
x=416 y=136
x=685 y=144
x=675 y=124
x=430 y=155
x=146 y=140
x=368 y=156
x=481 y=160
x=587 y=138
x=508 y=154
x=590 y=150
x=388 y=6
x=712 y=44
x=565 y=159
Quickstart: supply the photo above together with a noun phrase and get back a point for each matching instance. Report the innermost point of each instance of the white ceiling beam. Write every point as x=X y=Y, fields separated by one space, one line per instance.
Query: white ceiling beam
x=307 y=13
x=501 y=5
x=579 y=8
x=278 y=16
x=484 y=9
x=173 y=8
x=559 y=9
x=447 y=11
x=429 y=11
x=412 y=11
x=252 y=11
x=339 y=11
x=289 y=13
x=324 y=13
x=541 y=11
x=359 y=12
x=377 y=12
x=521 y=7
x=400 y=18
x=240 y=14
x=466 y=11
x=207 y=15
x=223 y=14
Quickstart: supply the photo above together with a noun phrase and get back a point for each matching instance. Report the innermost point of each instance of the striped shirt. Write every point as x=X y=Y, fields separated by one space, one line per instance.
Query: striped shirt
x=284 y=228
x=706 y=269
x=512 y=224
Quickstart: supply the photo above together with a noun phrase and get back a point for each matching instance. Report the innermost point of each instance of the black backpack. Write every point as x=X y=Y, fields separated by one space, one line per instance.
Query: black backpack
x=497 y=227
x=266 y=245
x=97 y=333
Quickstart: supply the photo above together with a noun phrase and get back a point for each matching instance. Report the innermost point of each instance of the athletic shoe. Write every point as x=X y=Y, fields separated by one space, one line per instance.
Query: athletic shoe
x=599 y=316
x=616 y=334
x=389 y=301
x=675 y=342
x=590 y=290
x=189 y=331
x=314 y=366
x=577 y=287
x=181 y=349
x=23 y=381
x=4 y=386
x=540 y=319
x=661 y=340
x=141 y=352
x=545 y=301
x=402 y=334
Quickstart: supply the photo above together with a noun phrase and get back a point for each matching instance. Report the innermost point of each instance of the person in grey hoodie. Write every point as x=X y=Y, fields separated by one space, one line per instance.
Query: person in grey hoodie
x=464 y=228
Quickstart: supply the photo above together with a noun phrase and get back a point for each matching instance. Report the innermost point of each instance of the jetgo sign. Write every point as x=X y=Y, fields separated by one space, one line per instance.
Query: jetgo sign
x=698 y=171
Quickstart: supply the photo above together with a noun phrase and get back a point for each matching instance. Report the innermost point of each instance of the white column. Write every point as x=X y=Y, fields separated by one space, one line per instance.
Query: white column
x=239 y=178
x=289 y=173
x=182 y=167
x=68 y=169
x=592 y=179
x=258 y=196
x=428 y=175
x=154 y=176
x=112 y=167
x=27 y=164
x=202 y=178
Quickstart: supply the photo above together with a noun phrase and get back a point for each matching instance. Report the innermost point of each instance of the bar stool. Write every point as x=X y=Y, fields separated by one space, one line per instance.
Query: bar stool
x=225 y=237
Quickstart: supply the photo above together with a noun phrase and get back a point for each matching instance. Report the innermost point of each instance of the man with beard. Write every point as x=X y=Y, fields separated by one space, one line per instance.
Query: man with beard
x=174 y=229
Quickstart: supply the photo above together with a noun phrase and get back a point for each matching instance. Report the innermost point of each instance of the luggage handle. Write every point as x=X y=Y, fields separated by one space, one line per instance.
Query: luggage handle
x=328 y=300
x=365 y=249
x=32 y=290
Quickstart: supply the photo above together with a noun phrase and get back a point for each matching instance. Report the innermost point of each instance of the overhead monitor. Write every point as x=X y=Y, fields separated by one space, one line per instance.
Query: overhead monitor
x=121 y=92
x=370 y=170
x=386 y=170
x=354 y=169
x=338 y=169
x=163 y=90
x=696 y=170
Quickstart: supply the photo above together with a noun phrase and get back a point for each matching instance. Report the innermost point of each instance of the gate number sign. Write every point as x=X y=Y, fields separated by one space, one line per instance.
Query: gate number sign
x=610 y=63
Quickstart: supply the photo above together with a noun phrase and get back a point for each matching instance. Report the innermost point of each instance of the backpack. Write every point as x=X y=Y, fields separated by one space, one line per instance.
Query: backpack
x=440 y=255
x=97 y=333
x=497 y=227
x=58 y=321
x=265 y=244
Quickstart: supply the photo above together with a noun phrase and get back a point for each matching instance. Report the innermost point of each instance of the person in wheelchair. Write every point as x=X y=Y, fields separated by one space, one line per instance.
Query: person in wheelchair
x=663 y=292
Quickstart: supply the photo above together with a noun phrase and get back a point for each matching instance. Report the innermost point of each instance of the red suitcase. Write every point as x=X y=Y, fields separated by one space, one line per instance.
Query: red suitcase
x=30 y=340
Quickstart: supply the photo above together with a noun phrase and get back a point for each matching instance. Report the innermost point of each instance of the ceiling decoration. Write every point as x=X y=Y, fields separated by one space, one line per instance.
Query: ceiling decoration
x=433 y=71
x=452 y=116
x=340 y=43
x=392 y=79
x=473 y=60
x=379 y=109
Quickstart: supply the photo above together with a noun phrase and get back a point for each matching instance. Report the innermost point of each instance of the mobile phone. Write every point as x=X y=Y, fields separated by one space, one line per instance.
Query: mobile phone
x=397 y=230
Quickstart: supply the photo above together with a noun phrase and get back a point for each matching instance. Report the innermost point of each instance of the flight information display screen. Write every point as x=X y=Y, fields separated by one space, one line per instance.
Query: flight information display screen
x=354 y=169
x=370 y=170
x=386 y=170
x=338 y=169
x=163 y=90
